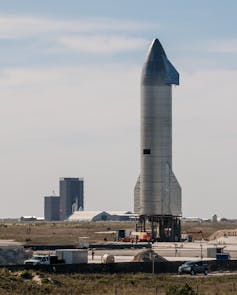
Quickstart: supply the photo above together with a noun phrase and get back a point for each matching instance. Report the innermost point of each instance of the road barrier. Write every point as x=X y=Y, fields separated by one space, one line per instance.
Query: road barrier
x=94 y=246
x=122 y=267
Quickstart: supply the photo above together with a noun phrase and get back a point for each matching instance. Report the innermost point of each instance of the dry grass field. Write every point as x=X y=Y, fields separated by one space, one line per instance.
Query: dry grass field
x=70 y=233
x=207 y=228
x=29 y=283
x=60 y=232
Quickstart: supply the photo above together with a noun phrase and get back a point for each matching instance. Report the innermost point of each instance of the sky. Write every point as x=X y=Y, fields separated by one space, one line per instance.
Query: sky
x=70 y=100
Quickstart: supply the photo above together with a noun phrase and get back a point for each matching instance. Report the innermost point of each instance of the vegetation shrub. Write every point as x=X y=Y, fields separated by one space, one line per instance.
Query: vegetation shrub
x=4 y=272
x=185 y=290
x=26 y=275
x=45 y=281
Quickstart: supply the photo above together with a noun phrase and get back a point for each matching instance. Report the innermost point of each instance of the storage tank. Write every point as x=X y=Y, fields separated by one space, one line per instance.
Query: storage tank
x=73 y=256
x=107 y=258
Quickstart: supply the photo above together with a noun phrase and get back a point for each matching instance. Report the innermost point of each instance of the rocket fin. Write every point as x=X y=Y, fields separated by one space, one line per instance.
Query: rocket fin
x=171 y=74
x=137 y=190
x=175 y=195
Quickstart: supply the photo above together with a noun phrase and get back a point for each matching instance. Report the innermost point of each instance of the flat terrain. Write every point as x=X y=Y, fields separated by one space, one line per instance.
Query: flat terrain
x=73 y=233
x=206 y=229
x=29 y=283
x=61 y=232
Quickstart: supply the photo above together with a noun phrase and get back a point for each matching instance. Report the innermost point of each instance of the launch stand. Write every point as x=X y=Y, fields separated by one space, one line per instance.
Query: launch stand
x=163 y=228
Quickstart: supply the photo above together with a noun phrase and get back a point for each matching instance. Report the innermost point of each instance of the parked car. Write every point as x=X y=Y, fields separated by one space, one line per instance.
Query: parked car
x=193 y=267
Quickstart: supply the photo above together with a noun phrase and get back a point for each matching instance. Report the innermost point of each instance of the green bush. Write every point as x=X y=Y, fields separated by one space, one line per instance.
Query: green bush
x=45 y=281
x=26 y=275
x=185 y=290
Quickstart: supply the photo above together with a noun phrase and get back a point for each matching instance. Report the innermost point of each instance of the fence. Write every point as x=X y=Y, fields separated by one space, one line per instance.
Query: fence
x=123 y=267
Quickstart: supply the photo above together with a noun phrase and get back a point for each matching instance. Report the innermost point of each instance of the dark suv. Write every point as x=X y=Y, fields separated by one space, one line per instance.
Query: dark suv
x=193 y=267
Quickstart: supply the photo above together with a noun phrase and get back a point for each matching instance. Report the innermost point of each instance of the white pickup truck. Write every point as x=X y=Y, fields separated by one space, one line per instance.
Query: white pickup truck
x=43 y=259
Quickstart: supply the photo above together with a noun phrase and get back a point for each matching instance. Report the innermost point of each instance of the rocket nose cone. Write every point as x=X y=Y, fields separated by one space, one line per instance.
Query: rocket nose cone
x=157 y=69
x=155 y=51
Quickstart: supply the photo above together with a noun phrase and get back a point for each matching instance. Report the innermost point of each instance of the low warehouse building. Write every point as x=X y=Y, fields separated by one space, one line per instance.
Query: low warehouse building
x=90 y=216
x=101 y=216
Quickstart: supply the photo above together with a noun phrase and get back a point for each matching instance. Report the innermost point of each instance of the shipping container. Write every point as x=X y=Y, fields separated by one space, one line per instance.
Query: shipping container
x=73 y=256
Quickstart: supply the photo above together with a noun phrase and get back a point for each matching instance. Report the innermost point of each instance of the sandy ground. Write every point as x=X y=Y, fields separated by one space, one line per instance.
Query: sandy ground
x=9 y=243
x=119 y=258
x=171 y=251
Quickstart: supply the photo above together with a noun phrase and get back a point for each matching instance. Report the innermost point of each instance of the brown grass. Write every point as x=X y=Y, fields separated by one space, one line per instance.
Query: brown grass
x=60 y=232
x=207 y=228
x=70 y=233
x=120 y=284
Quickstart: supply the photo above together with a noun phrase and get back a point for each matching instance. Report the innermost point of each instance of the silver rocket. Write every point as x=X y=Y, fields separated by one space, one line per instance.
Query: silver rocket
x=157 y=191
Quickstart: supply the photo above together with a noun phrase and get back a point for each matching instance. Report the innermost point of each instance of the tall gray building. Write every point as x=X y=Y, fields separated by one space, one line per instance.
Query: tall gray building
x=71 y=196
x=51 y=208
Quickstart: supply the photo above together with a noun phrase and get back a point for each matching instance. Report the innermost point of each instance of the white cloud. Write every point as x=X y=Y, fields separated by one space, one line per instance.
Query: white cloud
x=25 y=26
x=223 y=46
x=84 y=35
x=228 y=46
x=102 y=44
x=89 y=88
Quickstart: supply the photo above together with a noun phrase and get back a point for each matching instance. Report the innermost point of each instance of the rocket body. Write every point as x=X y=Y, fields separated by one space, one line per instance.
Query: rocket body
x=157 y=192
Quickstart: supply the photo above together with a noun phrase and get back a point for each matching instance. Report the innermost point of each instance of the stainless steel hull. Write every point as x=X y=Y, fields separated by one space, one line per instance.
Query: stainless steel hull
x=157 y=192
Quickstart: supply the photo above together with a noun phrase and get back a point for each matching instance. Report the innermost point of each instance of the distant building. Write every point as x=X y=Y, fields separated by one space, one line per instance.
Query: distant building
x=214 y=218
x=28 y=218
x=191 y=219
x=122 y=215
x=51 y=208
x=71 y=196
x=31 y=218
x=89 y=216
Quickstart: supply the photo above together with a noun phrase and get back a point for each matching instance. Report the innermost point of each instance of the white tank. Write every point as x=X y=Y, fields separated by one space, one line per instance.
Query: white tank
x=107 y=258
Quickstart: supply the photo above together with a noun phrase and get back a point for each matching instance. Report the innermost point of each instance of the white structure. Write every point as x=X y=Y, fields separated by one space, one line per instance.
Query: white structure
x=89 y=216
x=73 y=256
x=191 y=219
x=101 y=216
